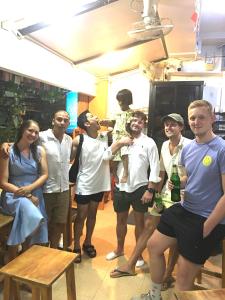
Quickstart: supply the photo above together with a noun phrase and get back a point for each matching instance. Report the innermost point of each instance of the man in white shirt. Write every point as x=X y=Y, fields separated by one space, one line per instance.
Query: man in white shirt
x=139 y=189
x=93 y=178
x=58 y=147
x=170 y=154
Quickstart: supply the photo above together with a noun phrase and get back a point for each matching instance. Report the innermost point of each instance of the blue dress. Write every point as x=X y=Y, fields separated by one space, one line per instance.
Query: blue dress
x=28 y=218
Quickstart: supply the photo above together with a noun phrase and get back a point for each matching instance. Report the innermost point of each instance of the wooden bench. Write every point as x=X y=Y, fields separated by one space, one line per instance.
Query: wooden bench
x=221 y=275
x=201 y=295
x=39 y=267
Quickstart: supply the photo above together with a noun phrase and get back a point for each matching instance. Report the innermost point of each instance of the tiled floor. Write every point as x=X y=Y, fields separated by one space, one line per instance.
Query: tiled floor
x=92 y=275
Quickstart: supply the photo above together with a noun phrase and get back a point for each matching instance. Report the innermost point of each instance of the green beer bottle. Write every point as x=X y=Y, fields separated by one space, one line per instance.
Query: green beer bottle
x=158 y=202
x=175 y=179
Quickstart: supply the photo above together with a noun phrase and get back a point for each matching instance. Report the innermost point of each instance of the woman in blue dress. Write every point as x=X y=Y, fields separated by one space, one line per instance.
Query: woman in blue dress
x=22 y=175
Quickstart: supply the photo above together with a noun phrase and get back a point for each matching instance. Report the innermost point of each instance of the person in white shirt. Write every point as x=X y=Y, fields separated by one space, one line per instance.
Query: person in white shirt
x=58 y=147
x=170 y=154
x=93 y=178
x=139 y=189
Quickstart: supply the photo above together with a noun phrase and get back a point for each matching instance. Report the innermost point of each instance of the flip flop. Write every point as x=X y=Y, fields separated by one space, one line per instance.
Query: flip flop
x=112 y=255
x=116 y=273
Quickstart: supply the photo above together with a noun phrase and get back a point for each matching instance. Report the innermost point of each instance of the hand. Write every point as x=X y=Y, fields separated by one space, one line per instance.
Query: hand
x=206 y=230
x=147 y=197
x=34 y=200
x=170 y=185
x=158 y=209
x=105 y=123
x=126 y=141
x=23 y=191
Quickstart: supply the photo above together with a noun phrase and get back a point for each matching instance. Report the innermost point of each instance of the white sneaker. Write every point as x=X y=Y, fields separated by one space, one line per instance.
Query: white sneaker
x=112 y=255
x=140 y=263
x=144 y=297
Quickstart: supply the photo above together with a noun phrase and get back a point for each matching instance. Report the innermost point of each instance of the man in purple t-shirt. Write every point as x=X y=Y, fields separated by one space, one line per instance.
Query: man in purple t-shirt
x=197 y=224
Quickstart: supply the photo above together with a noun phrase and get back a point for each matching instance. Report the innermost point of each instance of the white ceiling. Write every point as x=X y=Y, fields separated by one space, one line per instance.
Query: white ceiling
x=84 y=38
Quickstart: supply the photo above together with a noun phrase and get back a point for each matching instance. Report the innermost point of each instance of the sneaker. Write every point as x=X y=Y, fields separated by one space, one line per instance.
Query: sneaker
x=144 y=297
x=140 y=263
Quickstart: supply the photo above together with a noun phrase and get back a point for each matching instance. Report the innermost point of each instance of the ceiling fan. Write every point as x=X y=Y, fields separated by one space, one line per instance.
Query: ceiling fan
x=151 y=26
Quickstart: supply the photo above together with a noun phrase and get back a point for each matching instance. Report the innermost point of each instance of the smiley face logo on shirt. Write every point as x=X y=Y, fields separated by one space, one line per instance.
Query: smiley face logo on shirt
x=207 y=160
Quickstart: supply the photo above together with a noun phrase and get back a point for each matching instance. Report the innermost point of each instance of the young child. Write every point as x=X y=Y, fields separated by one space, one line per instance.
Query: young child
x=121 y=122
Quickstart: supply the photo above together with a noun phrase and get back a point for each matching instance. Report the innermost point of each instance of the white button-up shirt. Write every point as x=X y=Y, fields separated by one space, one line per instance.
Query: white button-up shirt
x=58 y=158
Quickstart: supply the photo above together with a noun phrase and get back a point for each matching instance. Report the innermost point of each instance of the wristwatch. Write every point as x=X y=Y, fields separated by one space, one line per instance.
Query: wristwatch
x=151 y=190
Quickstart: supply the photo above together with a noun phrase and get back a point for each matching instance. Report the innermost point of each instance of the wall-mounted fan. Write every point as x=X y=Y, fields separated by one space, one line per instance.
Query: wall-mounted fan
x=151 y=26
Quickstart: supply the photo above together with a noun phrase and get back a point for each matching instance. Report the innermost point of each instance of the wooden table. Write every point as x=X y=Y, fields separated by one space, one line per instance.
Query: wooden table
x=201 y=295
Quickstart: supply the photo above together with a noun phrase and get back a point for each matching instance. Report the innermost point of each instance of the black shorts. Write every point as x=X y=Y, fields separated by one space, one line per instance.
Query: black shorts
x=187 y=228
x=122 y=200
x=85 y=199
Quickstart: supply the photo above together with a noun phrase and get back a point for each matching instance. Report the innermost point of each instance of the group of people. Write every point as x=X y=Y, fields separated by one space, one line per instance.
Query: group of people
x=192 y=228
x=34 y=177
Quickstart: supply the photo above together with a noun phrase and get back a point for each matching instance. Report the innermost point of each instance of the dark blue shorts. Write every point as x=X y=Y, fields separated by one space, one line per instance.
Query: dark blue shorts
x=187 y=228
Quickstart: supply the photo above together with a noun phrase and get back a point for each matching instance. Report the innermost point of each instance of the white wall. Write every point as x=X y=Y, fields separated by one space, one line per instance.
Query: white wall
x=26 y=58
x=135 y=82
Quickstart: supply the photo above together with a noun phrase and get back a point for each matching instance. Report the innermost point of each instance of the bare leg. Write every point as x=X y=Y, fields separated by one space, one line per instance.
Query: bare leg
x=186 y=273
x=150 y=225
x=172 y=259
x=125 y=169
x=156 y=245
x=121 y=231
x=139 y=227
x=91 y=220
x=82 y=212
x=114 y=165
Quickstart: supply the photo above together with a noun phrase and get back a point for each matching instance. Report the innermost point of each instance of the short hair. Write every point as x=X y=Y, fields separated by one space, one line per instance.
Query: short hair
x=201 y=103
x=125 y=96
x=60 y=110
x=139 y=114
x=82 y=119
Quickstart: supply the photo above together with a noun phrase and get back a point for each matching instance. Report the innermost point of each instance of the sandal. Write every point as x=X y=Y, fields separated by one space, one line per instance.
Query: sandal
x=89 y=250
x=78 y=258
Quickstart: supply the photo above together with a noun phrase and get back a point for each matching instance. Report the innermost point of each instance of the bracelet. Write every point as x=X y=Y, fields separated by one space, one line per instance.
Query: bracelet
x=29 y=196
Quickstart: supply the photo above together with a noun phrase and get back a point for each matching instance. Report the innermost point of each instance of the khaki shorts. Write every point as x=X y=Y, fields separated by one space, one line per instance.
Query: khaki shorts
x=57 y=206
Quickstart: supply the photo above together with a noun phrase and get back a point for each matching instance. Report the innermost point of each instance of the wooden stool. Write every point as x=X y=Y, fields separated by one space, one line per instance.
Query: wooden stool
x=39 y=267
x=212 y=273
x=201 y=295
x=5 y=228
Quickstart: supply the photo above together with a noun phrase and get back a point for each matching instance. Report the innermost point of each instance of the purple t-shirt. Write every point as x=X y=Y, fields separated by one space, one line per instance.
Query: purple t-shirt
x=204 y=164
